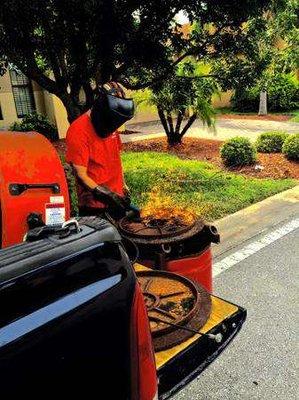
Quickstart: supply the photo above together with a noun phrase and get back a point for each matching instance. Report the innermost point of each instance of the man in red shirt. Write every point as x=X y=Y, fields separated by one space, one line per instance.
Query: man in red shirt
x=93 y=150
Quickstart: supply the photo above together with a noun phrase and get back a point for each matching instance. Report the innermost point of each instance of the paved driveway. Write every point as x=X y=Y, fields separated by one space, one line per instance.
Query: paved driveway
x=225 y=128
x=261 y=362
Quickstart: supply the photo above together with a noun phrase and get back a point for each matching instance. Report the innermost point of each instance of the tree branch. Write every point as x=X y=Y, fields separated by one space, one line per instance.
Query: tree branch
x=170 y=123
x=34 y=73
x=188 y=125
x=127 y=84
x=89 y=94
x=179 y=122
x=165 y=74
x=163 y=120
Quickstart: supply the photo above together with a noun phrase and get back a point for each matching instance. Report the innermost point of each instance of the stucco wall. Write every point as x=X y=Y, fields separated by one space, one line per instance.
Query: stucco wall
x=7 y=102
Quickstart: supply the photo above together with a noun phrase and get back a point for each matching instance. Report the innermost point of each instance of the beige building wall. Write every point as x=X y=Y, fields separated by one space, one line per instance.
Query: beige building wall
x=56 y=113
x=7 y=103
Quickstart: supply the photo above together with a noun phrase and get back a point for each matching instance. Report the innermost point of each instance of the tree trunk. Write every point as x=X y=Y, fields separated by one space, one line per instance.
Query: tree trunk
x=170 y=123
x=179 y=122
x=188 y=125
x=163 y=120
x=263 y=103
x=174 y=139
x=73 y=109
x=89 y=95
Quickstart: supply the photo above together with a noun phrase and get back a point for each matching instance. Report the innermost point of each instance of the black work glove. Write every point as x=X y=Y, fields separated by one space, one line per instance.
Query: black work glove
x=109 y=198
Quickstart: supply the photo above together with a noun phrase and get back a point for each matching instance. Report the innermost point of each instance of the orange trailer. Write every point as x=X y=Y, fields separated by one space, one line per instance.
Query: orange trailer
x=33 y=187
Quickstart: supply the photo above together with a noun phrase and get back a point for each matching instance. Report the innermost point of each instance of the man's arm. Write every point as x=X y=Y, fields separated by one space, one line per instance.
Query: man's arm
x=84 y=178
x=101 y=193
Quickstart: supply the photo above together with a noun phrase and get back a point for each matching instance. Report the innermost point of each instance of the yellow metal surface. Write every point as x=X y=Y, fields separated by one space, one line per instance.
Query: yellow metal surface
x=221 y=310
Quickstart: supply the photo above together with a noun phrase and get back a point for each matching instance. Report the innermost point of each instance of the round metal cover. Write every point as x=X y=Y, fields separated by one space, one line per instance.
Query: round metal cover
x=158 y=231
x=173 y=303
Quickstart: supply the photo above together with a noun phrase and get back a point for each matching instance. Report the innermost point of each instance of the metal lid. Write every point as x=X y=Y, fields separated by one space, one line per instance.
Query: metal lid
x=176 y=307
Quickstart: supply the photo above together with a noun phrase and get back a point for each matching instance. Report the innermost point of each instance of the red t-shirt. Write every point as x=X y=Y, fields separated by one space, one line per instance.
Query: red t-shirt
x=100 y=156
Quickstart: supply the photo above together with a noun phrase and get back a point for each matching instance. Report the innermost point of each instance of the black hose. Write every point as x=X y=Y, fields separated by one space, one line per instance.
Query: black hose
x=136 y=256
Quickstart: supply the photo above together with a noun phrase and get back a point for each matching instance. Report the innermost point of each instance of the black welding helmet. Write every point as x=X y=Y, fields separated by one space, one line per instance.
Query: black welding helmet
x=111 y=109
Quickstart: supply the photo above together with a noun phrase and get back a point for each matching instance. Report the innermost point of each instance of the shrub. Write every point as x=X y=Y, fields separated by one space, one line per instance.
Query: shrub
x=238 y=151
x=270 y=142
x=246 y=100
x=282 y=91
x=36 y=122
x=290 y=147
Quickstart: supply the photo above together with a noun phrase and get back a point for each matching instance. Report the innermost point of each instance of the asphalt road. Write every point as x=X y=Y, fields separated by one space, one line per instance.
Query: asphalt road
x=261 y=362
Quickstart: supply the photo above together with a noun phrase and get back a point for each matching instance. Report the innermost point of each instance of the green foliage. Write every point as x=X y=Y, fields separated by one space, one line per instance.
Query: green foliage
x=270 y=142
x=270 y=47
x=238 y=151
x=295 y=116
x=246 y=100
x=282 y=93
x=38 y=123
x=209 y=191
x=290 y=147
x=185 y=96
x=67 y=46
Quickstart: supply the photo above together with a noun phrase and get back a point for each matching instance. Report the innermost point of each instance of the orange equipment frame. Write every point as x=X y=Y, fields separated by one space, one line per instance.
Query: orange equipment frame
x=32 y=180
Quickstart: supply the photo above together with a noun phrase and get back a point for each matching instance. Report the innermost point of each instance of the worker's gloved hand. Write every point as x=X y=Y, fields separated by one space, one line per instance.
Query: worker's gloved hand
x=109 y=198
x=127 y=195
x=133 y=212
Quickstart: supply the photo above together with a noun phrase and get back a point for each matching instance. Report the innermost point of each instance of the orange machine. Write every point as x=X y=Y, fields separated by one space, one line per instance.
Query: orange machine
x=33 y=187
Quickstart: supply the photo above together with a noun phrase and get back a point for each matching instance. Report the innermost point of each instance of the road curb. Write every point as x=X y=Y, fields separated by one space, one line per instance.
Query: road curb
x=139 y=137
x=258 y=218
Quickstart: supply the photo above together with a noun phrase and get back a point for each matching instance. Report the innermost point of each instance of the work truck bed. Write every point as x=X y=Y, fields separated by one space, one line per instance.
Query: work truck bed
x=182 y=363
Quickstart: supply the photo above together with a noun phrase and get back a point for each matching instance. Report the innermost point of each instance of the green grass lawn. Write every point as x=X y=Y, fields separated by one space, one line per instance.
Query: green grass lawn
x=199 y=185
x=296 y=116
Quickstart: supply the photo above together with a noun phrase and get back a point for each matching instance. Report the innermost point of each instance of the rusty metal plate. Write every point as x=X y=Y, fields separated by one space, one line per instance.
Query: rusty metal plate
x=158 y=230
x=176 y=306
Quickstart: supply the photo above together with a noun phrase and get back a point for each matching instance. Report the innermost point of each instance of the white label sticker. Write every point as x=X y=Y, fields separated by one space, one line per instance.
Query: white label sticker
x=57 y=199
x=55 y=213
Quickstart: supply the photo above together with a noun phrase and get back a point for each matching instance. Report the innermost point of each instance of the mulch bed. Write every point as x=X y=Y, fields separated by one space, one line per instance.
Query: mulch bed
x=274 y=166
x=269 y=117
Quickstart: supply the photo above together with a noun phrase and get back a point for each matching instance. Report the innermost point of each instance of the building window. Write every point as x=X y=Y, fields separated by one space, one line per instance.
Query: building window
x=22 y=93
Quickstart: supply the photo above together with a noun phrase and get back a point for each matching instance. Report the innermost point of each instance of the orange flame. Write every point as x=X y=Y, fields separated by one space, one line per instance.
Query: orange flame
x=161 y=206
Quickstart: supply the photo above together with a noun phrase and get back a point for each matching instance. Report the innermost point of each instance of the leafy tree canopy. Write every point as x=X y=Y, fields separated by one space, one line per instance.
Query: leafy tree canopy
x=269 y=45
x=182 y=98
x=67 y=45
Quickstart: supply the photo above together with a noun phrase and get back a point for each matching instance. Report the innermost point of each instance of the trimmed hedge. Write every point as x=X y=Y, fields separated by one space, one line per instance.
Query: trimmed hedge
x=290 y=147
x=270 y=142
x=38 y=123
x=238 y=151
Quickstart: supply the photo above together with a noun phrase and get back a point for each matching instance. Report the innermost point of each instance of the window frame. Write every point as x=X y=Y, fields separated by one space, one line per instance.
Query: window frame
x=1 y=113
x=25 y=84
